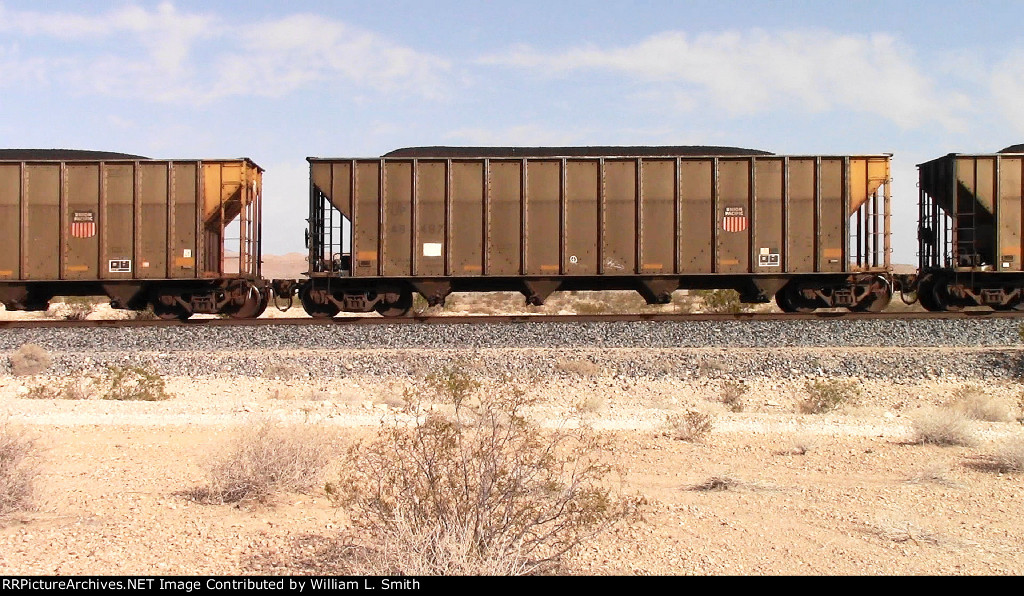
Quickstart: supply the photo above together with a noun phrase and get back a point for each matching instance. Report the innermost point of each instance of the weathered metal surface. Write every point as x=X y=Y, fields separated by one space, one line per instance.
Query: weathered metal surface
x=139 y=219
x=466 y=214
x=971 y=212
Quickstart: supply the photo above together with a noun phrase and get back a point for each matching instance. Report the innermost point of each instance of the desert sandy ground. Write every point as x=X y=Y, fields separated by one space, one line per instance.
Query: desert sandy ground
x=835 y=493
x=844 y=492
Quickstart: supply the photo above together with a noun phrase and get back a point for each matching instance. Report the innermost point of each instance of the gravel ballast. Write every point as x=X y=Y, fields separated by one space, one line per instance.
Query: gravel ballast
x=735 y=349
x=652 y=334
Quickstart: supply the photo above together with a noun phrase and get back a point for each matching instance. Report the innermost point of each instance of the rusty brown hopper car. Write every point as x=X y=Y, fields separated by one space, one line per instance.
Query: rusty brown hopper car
x=143 y=232
x=970 y=231
x=810 y=231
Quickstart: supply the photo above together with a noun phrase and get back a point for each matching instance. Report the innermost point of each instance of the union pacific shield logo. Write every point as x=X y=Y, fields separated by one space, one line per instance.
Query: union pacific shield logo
x=83 y=224
x=734 y=220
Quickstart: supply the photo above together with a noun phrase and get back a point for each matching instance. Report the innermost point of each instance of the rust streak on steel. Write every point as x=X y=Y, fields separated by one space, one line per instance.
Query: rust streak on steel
x=505 y=319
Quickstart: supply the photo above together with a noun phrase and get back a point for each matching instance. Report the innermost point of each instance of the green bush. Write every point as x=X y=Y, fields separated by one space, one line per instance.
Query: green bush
x=719 y=301
x=827 y=395
x=133 y=383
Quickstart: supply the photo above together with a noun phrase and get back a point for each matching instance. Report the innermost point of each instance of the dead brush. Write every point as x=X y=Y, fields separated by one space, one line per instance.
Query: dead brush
x=578 y=367
x=264 y=460
x=975 y=403
x=691 y=426
x=719 y=301
x=732 y=394
x=716 y=483
x=29 y=359
x=592 y=404
x=18 y=470
x=934 y=474
x=902 y=531
x=76 y=388
x=1008 y=457
x=282 y=371
x=941 y=426
x=476 y=490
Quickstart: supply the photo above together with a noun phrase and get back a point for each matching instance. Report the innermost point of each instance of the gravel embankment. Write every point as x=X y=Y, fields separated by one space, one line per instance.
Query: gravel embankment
x=732 y=334
x=868 y=349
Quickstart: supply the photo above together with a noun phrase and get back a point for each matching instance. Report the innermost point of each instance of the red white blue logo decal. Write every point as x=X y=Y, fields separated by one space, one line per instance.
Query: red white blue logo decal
x=735 y=220
x=83 y=224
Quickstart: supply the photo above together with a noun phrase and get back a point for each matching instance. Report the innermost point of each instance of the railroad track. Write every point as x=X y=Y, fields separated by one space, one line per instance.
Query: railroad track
x=506 y=319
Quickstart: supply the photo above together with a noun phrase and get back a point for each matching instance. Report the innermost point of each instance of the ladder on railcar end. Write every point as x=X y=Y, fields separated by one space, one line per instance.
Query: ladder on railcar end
x=325 y=236
x=868 y=241
x=928 y=233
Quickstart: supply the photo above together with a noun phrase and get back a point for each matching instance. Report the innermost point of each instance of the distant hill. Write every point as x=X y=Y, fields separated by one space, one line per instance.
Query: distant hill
x=287 y=266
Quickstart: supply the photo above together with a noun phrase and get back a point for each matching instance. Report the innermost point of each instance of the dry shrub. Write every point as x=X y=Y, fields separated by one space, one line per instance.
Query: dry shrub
x=29 y=359
x=692 y=426
x=719 y=301
x=1009 y=455
x=593 y=404
x=133 y=383
x=590 y=307
x=145 y=314
x=281 y=370
x=732 y=395
x=901 y=531
x=43 y=390
x=18 y=470
x=941 y=426
x=122 y=383
x=74 y=308
x=261 y=461
x=583 y=368
x=711 y=367
x=716 y=483
x=975 y=403
x=826 y=395
x=480 y=490
x=76 y=388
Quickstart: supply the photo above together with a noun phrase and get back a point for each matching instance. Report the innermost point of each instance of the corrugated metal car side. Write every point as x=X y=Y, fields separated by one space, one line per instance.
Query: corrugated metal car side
x=644 y=216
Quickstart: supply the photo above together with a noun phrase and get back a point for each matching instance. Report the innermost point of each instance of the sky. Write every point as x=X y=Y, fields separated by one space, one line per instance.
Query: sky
x=280 y=81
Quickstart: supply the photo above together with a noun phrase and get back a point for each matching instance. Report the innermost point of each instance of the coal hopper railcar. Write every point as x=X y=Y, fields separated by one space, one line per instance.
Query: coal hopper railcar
x=971 y=231
x=146 y=233
x=810 y=231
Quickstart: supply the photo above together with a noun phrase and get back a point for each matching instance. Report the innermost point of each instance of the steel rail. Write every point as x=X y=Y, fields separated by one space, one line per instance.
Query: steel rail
x=507 y=319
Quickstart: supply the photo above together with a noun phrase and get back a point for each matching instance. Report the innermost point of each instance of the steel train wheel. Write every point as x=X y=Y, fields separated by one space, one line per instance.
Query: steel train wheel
x=945 y=300
x=878 y=297
x=789 y=299
x=926 y=294
x=396 y=309
x=167 y=308
x=254 y=301
x=315 y=309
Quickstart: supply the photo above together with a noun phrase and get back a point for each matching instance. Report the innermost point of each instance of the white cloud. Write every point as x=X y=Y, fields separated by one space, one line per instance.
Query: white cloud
x=757 y=71
x=1007 y=85
x=168 y=55
x=280 y=56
